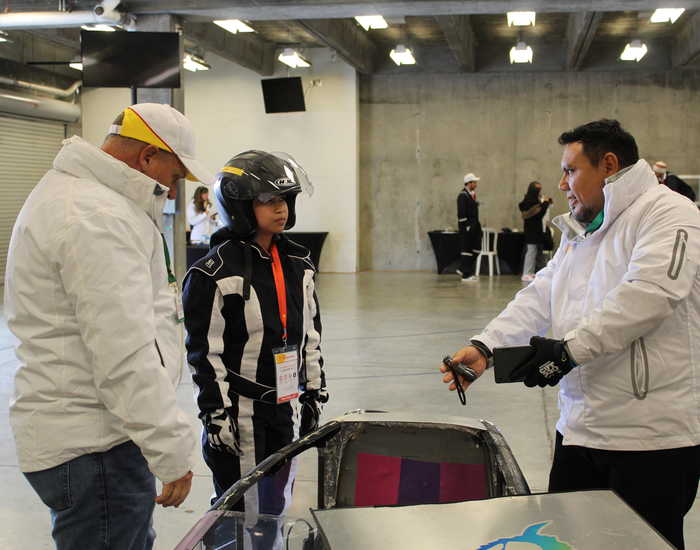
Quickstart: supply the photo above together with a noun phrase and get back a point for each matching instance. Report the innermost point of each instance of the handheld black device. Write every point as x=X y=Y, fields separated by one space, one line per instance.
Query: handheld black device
x=506 y=360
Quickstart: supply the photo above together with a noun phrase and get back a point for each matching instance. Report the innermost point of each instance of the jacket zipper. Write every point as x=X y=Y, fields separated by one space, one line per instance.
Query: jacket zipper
x=639 y=393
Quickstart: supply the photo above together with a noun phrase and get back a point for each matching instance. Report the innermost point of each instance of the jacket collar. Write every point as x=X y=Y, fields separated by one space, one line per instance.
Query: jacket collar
x=81 y=159
x=620 y=191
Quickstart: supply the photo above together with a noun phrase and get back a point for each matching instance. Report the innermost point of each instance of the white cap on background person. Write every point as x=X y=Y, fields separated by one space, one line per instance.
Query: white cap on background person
x=660 y=167
x=470 y=177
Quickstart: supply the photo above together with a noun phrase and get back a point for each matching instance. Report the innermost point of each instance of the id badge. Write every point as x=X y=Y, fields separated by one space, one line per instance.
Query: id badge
x=287 y=373
x=179 y=310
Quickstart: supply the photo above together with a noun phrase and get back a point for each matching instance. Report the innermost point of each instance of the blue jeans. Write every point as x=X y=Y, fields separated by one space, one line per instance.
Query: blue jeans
x=100 y=501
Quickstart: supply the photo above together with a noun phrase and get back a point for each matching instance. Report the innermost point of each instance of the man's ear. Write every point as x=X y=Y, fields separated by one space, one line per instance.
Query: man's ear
x=611 y=164
x=146 y=156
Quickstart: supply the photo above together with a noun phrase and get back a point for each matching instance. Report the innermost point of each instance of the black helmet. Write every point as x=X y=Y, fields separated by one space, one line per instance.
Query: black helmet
x=257 y=175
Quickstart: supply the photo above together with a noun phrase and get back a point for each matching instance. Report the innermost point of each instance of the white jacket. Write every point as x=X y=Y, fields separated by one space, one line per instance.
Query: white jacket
x=201 y=222
x=627 y=300
x=87 y=296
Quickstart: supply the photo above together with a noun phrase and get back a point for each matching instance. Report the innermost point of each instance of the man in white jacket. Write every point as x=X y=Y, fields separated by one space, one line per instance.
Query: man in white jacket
x=93 y=303
x=621 y=298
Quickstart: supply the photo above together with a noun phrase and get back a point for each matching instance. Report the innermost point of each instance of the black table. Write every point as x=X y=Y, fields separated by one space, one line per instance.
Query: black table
x=311 y=240
x=510 y=250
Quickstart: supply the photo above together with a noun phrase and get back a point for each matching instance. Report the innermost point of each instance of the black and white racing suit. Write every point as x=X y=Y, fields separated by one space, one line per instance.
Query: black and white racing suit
x=230 y=342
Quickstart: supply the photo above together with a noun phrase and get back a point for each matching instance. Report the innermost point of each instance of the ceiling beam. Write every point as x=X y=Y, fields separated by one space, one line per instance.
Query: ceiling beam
x=245 y=49
x=686 y=44
x=460 y=38
x=347 y=39
x=325 y=9
x=580 y=32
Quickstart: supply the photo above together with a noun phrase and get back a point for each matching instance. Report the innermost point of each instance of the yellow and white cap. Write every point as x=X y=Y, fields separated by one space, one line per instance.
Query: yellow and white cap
x=165 y=127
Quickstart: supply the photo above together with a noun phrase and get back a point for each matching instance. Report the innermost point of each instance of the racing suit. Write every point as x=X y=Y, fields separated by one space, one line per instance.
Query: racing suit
x=233 y=327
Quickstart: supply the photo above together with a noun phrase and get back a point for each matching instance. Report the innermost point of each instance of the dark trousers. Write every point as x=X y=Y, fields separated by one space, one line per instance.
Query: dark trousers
x=470 y=244
x=270 y=428
x=659 y=485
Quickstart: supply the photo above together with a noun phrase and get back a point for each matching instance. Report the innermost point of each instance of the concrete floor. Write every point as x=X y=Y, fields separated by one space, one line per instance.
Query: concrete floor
x=384 y=335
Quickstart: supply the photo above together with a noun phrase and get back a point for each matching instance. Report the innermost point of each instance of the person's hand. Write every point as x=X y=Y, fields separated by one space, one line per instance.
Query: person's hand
x=175 y=492
x=311 y=404
x=550 y=363
x=221 y=432
x=472 y=358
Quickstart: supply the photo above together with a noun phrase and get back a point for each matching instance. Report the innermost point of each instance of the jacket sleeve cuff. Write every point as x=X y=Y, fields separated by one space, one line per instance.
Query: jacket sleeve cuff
x=578 y=353
x=484 y=349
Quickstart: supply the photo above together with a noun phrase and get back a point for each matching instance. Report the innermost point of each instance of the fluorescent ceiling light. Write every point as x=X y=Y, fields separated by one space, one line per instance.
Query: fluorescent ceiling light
x=666 y=15
x=194 y=63
x=634 y=51
x=233 y=25
x=98 y=27
x=521 y=18
x=521 y=53
x=368 y=22
x=401 y=55
x=291 y=57
x=76 y=65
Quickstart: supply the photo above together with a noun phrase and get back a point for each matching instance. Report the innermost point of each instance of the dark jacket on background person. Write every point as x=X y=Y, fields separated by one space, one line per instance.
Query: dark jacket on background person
x=468 y=220
x=674 y=183
x=533 y=210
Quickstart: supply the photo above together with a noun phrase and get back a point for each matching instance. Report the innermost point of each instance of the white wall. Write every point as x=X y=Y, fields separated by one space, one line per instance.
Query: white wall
x=100 y=106
x=226 y=107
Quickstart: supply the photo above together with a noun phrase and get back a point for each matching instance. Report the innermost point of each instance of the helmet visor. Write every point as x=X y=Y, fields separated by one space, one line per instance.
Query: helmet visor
x=295 y=172
x=268 y=198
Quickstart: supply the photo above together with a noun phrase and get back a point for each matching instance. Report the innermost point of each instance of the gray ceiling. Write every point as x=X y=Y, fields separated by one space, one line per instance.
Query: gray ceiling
x=450 y=36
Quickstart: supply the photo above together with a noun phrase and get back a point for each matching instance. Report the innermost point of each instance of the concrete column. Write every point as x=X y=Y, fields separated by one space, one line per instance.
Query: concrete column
x=175 y=231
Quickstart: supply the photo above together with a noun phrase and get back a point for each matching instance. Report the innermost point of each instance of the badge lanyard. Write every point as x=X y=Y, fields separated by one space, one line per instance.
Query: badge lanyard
x=172 y=283
x=286 y=357
x=281 y=289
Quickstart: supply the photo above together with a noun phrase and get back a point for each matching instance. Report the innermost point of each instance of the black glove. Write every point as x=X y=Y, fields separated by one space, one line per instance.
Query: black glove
x=222 y=434
x=550 y=363
x=311 y=402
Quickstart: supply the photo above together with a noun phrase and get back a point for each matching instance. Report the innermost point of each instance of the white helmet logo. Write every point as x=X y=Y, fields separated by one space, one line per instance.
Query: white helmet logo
x=283 y=182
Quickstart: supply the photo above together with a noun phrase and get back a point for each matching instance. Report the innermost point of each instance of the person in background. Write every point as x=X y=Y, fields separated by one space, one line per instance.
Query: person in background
x=533 y=209
x=673 y=182
x=92 y=300
x=254 y=329
x=469 y=228
x=621 y=300
x=201 y=216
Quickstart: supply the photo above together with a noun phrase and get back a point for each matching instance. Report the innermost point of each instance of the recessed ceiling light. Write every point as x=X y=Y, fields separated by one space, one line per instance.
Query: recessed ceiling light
x=291 y=57
x=76 y=65
x=98 y=27
x=401 y=55
x=368 y=22
x=521 y=18
x=521 y=53
x=233 y=25
x=666 y=15
x=194 y=63
x=634 y=51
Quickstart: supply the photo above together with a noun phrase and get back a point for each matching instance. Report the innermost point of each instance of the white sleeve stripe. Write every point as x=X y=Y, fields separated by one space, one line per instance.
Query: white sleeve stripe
x=313 y=338
x=215 y=341
x=256 y=329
